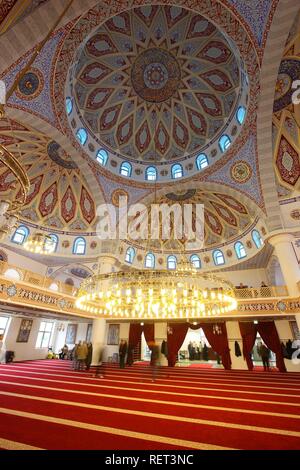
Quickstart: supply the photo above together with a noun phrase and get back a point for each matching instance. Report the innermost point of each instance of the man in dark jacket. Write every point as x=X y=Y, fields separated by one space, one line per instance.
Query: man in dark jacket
x=122 y=353
x=264 y=353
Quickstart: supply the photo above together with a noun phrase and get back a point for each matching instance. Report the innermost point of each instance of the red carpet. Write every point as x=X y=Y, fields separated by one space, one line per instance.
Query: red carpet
x=46 y=405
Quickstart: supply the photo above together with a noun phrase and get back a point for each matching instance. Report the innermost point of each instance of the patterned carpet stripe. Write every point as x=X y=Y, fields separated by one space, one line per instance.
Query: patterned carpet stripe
x=128 y=405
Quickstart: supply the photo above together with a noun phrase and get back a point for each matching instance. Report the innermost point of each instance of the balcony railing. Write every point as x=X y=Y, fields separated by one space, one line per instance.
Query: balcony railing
x=37 y=280
x=261 y=292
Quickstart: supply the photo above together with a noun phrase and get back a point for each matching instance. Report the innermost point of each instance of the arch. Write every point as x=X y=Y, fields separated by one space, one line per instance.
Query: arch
x=218 y=257
x=3 y=256
x=240 y=250
x=20 y=235
x=172 y=262
x=130 y=255
x=150 y=260
x=151 y=173
x=79 y=246
x=201 y=161
x=224 y=143
x=177 y=171
x=12 y=274
x=257 y=239
x=195 y=261
x=241 y=114
x=126 y=169
x=69 y=281
x=102 y=157
x=82 y=135
x=69 y=105
x=51 y=245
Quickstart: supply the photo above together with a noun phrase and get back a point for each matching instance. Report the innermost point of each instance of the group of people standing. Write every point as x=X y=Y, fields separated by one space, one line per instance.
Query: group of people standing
x=197 y=351
x=81 y=355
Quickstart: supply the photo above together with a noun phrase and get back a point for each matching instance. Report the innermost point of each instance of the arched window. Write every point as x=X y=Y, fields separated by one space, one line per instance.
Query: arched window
x=54 y=287
x=195 y=260
x=218 y=257
x=130 y=254
x=126 y=169
x=224 y=143
x=240 y=250
x=240 y=114
x=151 y=173
x=20 y=235
x=201 y=161
x=172 y=262
x=69 y=105
x=150 y=260
x=51 y=243
x=257 y=239
x=82 y=136
x=12 y=274
x=102 y=157
x=177 y=171
x=79 y=246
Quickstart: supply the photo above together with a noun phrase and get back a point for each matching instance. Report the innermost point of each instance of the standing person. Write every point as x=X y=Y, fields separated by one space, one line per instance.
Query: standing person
x=82 y=352
x=89 y=356
x=190 y=350
x=100 y=366
x=122 y=353
x=264 y=353
x=154 y=361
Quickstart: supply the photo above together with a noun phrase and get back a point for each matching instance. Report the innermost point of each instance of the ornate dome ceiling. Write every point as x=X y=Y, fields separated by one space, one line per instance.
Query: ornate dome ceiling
x=156 y=83
x=225 y=217
x=58 y=197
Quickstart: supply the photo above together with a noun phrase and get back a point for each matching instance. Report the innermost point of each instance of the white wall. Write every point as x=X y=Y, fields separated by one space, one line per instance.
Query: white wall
x=60 y=335
x=249 y=277
x=24 y=351
x=234 y=334
x=23 y=262
x=109 y=350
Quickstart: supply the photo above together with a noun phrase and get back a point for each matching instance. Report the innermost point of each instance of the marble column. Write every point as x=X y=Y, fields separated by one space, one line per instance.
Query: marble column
x=288 y=261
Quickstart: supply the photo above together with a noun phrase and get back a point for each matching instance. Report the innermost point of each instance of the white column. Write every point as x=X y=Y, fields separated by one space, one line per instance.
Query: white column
x=288 y=261
x=234 y=334
x=98 y=339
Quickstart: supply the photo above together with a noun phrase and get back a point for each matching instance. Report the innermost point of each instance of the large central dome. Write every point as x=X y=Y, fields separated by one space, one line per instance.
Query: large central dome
x=156 y=84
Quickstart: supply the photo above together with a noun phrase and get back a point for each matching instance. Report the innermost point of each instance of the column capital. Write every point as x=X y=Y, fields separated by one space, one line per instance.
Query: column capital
x=277 y=238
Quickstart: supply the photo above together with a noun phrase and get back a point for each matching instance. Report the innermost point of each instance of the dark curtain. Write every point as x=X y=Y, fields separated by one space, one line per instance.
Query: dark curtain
x=176 y=335
x=135 y=331
x=269 y=335
x=248 y=333
x=218 y=342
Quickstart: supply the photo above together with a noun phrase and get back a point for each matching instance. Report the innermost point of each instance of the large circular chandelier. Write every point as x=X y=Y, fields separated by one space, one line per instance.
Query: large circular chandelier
x=156 y=294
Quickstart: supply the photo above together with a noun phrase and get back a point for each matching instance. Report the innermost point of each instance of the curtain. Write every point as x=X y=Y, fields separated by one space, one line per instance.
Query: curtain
x=135 y=332
x=176 y=335
x=269 y=335
x=248 y=332
x=218 y=342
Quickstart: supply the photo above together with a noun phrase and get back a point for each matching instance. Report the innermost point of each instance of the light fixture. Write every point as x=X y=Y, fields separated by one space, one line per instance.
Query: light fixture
x=40 y=243
x=156 y=294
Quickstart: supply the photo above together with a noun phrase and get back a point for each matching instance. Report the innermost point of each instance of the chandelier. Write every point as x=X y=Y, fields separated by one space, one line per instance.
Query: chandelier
x=156 y=294
x=40 y=243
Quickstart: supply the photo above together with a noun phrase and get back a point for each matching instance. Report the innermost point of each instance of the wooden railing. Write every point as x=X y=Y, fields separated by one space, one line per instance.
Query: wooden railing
x=261 y=292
